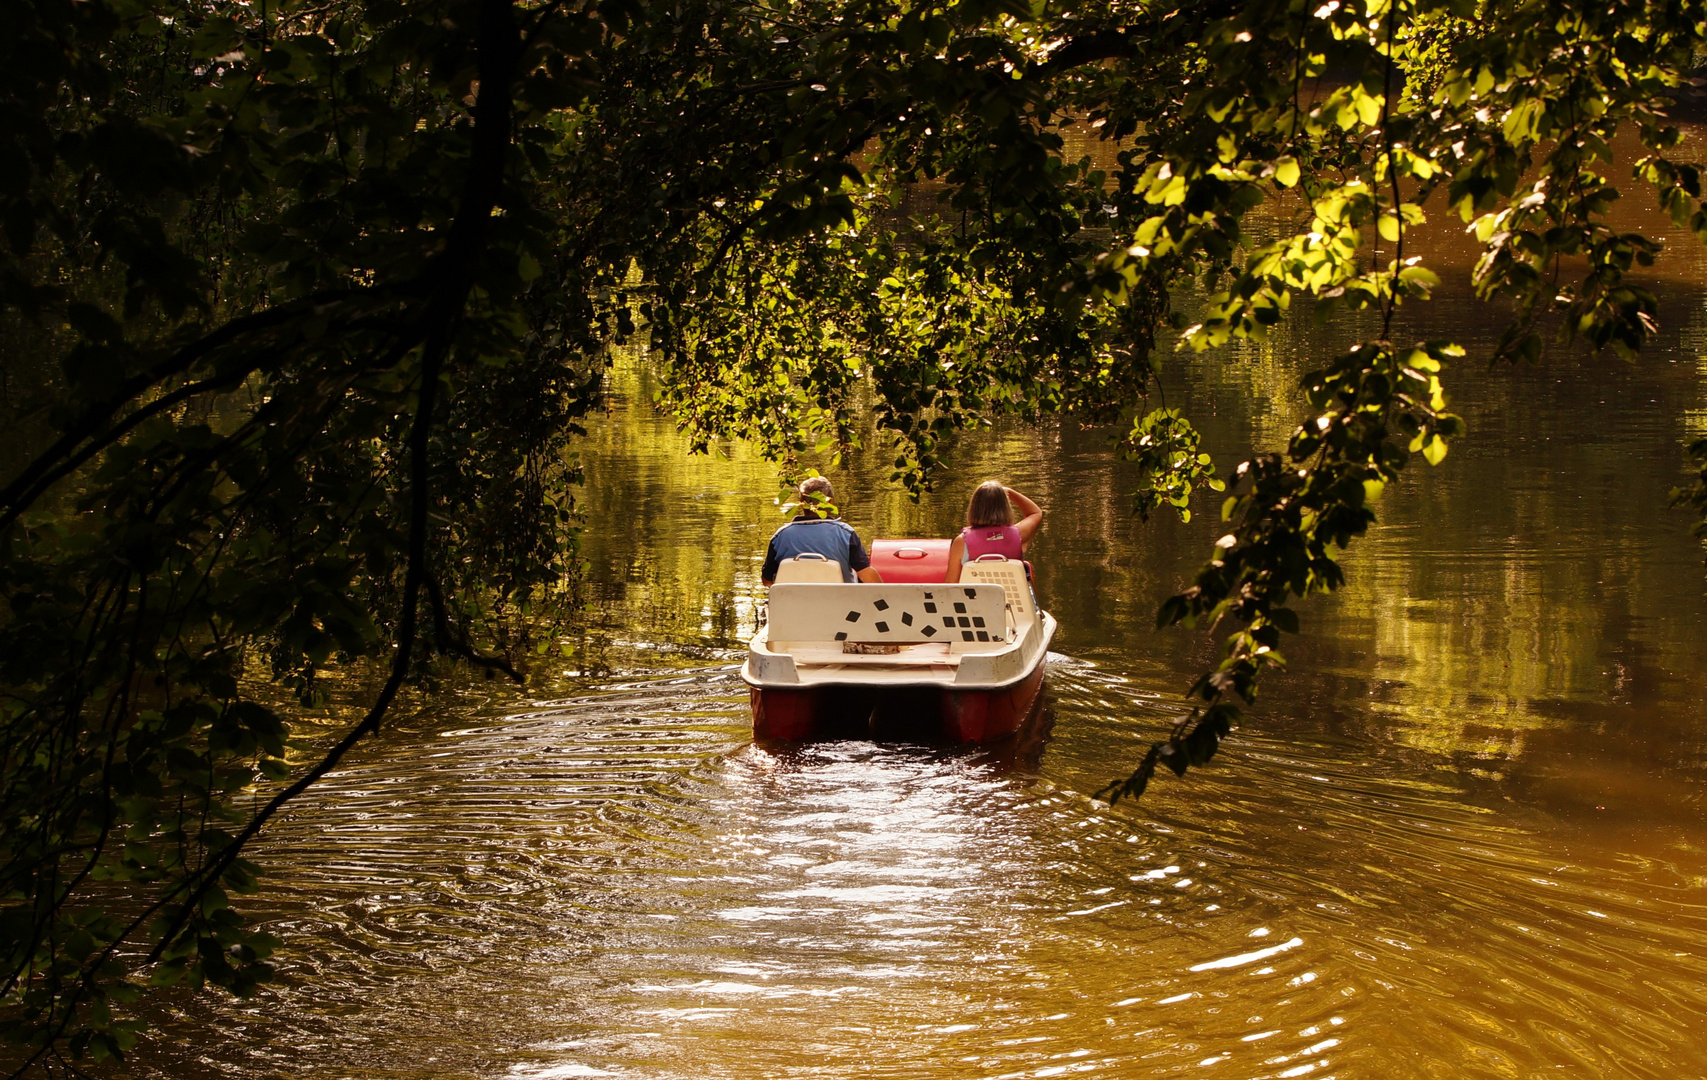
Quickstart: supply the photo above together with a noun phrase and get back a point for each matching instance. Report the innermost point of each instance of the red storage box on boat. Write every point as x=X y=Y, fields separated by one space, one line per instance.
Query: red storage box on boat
x=910 y=561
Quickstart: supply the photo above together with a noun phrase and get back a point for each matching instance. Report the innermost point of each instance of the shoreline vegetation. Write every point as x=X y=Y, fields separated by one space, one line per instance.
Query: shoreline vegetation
x=305 y=308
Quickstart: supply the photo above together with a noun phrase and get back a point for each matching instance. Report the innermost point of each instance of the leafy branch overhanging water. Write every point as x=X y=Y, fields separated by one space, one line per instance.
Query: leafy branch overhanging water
x=326 y=289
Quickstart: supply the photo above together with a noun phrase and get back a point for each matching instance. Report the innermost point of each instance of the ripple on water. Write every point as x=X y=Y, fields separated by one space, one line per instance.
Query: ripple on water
x=619 y=884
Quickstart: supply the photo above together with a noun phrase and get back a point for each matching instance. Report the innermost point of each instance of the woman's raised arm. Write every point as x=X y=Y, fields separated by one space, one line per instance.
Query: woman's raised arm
x=1033 y=515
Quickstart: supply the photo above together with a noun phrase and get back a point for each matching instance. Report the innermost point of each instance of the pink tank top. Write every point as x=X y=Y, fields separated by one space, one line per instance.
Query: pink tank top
x=992 y=540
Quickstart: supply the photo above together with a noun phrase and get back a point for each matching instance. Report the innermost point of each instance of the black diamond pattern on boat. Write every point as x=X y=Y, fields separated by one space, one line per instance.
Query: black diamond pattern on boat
x=966 y=635
x=929 y=631
x=983 y=635
x=971 y=594
x=882 y=628
x=853 y=616
x=961 y=608
x=930 y=609
x=964 y=621
x=881 y=604
x=977 y=620
x=843 y=636
x=906 y=618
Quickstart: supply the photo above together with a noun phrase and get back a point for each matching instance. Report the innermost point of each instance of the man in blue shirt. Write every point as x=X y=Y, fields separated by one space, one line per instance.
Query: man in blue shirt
x=811 y=532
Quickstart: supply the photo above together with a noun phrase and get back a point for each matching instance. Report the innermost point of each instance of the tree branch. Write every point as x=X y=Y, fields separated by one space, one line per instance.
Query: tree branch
x=454 y=268
x=88 y=425
x=1092 y=49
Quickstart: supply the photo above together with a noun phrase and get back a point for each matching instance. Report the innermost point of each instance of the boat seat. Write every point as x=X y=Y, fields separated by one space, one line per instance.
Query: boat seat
x=1010 y=575
x=970 y=617
x=809 y=567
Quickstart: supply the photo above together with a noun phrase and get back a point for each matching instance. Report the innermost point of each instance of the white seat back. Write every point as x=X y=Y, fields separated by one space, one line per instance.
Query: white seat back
x=970 y=618
x=809 y=566
x=1010 y=575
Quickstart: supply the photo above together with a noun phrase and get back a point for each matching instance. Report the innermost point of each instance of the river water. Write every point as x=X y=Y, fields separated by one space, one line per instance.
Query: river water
x=1462 y=837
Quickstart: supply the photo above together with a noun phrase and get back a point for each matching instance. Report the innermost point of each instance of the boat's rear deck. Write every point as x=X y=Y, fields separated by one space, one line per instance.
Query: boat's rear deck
x=926 y=661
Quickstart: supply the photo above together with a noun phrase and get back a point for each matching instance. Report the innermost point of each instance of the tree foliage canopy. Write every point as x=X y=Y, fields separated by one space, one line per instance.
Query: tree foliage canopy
x=304 y=302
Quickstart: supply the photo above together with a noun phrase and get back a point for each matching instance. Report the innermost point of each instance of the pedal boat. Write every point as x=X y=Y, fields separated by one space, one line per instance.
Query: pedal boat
x=914 y=659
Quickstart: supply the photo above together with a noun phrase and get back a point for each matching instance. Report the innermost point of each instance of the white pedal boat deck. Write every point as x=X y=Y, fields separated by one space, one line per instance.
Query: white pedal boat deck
x=967 y=664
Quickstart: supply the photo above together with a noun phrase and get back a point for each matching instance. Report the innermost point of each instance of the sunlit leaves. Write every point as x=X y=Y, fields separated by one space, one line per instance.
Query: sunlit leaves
x=1508 y=116
x=1171 y=463
x=232 y=236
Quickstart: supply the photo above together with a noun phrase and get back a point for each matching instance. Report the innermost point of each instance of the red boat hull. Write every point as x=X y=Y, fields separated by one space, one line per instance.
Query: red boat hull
x=922 y=713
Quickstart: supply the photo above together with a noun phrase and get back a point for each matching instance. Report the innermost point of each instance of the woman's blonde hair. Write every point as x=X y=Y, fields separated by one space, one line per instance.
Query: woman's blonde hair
x=989 y=506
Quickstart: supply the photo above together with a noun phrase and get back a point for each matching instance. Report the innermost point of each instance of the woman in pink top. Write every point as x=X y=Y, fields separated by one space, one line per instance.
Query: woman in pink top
x=991 y=528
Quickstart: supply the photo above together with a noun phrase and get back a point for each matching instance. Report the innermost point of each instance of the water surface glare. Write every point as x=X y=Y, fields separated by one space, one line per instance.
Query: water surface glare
x=619 y=884
x=1461 y=837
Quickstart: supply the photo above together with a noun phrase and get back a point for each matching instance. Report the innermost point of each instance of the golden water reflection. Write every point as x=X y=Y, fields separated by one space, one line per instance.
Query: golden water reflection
x=1462 y=838
x=619 y=884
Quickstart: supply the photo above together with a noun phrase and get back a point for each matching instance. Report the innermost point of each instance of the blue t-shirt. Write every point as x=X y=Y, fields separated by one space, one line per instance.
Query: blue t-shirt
x=829 y=537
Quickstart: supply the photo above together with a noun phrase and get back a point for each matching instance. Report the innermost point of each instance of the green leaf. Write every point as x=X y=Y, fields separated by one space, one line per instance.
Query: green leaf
x=1420 y=275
